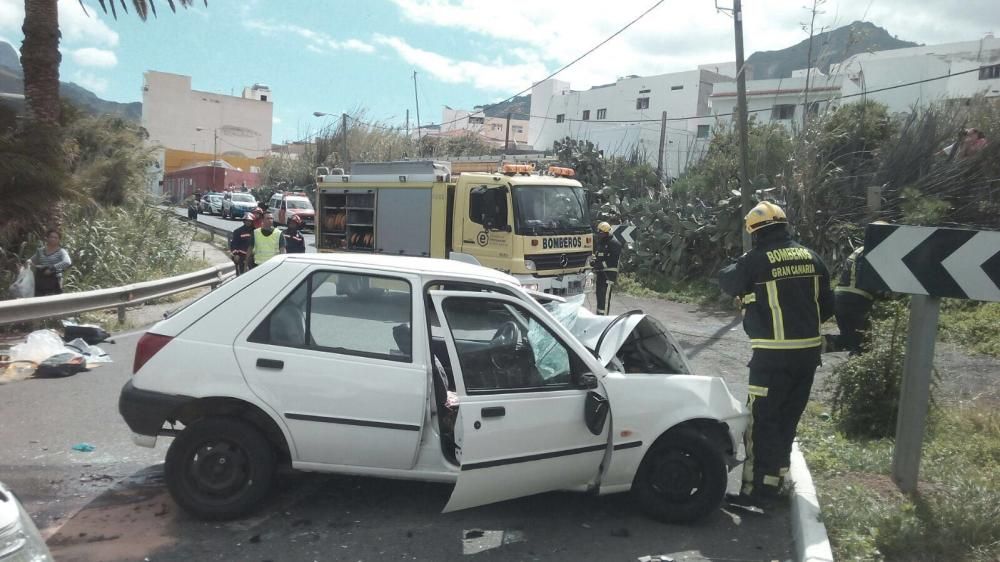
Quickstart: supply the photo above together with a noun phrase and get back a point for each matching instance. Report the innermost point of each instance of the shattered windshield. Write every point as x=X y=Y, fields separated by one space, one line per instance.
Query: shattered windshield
x=551 y=210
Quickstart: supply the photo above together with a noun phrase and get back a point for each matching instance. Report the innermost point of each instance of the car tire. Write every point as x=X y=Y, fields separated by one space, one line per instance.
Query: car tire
x=220 y=468
x=682 y=478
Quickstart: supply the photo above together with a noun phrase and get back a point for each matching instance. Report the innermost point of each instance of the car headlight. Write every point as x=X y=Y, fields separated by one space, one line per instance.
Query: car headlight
x=531 y=287
x=530 y=265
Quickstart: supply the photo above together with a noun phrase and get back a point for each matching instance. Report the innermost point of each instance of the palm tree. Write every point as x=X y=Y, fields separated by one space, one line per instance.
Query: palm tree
x=40 y=56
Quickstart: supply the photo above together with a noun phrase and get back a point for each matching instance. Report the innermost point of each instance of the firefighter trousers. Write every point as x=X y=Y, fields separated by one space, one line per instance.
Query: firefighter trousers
x=778 y=393
x=852 y=320
x=605 y=282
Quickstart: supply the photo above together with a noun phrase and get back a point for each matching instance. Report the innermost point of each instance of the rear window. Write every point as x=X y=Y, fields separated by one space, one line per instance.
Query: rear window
x=346 y=313
x=243 y=198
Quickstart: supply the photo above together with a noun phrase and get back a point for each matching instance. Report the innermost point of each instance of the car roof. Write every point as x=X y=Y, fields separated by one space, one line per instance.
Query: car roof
x=403 y=264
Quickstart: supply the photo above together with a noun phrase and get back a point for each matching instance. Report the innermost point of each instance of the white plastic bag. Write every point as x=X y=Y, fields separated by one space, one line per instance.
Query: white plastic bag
x=24 y=285
x=40 y=345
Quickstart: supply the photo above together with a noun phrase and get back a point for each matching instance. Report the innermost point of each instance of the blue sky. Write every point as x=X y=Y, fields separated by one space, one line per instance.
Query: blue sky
x=339 y=55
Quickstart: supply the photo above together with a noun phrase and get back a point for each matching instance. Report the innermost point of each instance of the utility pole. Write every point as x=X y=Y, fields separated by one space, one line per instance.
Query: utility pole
x=506 y=138
x=663 y=145
x=746 y=192
x=417 y=100
x=343 y=134
x=407 y=123
x=809 y=55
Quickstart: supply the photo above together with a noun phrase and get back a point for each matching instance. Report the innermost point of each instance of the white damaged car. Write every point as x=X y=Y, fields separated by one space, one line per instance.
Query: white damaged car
x=431 y=370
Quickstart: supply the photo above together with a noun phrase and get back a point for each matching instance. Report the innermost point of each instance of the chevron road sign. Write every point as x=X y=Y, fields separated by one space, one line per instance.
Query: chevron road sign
x=937 y=262
x=623 y=233
x=928 y=263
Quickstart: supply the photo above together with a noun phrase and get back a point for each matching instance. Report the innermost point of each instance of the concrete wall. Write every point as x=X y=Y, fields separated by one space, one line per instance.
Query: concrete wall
x=764 y=95
x=172 y=113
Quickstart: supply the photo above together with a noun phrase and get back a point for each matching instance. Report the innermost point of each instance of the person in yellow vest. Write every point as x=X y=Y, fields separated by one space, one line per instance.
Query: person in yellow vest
x=266 y=242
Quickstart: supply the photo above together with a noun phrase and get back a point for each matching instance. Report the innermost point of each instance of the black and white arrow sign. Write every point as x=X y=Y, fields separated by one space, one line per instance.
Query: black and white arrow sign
x=938 y=262
x=623 y=233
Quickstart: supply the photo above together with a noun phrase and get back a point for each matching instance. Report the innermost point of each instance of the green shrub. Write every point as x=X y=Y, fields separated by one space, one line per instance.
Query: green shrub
x=972 y=325
x=865 y=396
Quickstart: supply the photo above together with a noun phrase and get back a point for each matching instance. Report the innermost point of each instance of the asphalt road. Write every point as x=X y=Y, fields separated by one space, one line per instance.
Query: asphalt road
x=232 y=224
x=111 y=503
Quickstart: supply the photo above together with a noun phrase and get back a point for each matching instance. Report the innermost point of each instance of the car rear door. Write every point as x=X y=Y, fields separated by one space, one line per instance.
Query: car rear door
x=521 y=428
x=334 y=357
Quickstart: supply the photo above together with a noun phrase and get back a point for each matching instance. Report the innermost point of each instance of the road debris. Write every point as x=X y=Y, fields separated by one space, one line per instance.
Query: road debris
x=656 y=558
x=83 y=447
x=477 y=540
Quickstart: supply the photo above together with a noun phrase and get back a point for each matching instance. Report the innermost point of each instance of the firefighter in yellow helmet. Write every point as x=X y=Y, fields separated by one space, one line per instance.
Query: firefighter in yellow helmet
x=607 y=252
x=784 y=290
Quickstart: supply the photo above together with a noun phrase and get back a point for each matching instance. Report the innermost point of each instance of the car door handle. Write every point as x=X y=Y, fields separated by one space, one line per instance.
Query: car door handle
x=270 y=364
x=494 y=412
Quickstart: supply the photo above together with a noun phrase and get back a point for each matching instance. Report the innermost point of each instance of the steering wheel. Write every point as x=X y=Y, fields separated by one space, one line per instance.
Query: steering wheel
x=509 y=334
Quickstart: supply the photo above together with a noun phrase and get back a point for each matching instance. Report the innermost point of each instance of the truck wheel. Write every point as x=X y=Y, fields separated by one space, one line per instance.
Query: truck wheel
x=682 y=478
x=219 y=468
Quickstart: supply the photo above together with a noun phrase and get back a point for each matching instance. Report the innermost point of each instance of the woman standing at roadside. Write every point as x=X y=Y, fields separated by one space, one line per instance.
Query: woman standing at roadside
x=50 y=261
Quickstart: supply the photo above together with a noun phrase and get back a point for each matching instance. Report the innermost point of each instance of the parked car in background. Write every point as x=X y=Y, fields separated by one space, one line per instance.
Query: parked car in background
x=211 y=204
x=425 y=369
x=285 y=204
x=235 y=205
x=20 y=540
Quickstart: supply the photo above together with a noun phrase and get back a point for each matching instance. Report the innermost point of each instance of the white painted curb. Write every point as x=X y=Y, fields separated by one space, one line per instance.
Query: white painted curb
x=808 y=530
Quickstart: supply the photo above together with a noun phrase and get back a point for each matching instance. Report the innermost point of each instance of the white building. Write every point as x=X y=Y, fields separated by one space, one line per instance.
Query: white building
x=625 y=116
x=191 y=125
x=492 y=130
x=900 y=78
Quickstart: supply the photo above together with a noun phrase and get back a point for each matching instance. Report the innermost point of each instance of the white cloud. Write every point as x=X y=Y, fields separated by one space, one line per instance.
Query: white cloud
x=11 y=16
x=316 y=41
x=275 y=120
x=88 y=28
x=90 y=81
x=486 y=76
x=675 y=36
x=90 y=56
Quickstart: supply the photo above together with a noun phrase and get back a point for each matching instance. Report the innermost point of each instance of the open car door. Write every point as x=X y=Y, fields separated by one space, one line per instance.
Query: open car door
x=523 y=425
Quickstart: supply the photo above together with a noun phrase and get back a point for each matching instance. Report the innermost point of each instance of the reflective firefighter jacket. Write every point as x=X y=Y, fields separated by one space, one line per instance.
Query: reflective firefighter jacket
x=607 y=252
x=848 y=282
x=785 y=293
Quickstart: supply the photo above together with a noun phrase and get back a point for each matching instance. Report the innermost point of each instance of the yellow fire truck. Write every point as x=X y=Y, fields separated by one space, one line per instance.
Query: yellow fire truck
x=533 y=226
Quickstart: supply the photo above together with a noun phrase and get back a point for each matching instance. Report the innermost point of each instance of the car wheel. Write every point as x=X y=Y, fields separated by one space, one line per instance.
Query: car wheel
x=682 y=478
x=219 y=468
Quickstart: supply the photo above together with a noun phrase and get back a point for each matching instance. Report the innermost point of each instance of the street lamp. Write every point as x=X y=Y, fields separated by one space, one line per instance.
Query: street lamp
x=343 y=133
x=215 y=150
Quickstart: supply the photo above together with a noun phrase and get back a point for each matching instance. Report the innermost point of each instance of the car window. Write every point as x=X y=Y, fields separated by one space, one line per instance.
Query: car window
x=298 y=203
x=243 y=198
x=347 y=313
x=502 y=347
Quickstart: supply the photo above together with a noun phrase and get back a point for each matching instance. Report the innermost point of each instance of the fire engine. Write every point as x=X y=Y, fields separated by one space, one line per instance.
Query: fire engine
x=535 y=226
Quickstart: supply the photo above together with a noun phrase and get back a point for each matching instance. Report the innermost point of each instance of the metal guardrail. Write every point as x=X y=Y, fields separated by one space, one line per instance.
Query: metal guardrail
x=213 y=230
x=38 y=308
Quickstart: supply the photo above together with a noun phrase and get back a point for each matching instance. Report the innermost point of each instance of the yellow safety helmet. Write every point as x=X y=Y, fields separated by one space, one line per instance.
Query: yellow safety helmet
x=764 y=214
x=603 y=227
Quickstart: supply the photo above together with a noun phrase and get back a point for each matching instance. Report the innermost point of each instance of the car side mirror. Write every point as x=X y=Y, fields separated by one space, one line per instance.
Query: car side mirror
x=588 y=381
x=595 y=413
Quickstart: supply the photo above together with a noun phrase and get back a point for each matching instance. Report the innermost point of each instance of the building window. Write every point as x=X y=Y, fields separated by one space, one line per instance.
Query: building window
x=518 y=129
x=677 y=87
x=560 y=118
x=646 y=91
x=642 y=103
x=782 y=112
x=477 y=120
x=497 y=127
x=263 y=98
x=586 y=115
x=989 y=72
x=703 y=131
x=602 y=113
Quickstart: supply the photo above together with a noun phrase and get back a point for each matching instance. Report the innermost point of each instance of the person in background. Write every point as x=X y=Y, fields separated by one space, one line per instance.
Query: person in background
x=266 y=241
x=852 y=302
x=292 y=236
x=50 y=261
x=607 y=252
x=239 y=244
x=784 y=290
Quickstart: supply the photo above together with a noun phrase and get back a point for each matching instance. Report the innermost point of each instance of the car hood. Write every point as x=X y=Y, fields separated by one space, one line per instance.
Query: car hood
x=629 y=342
